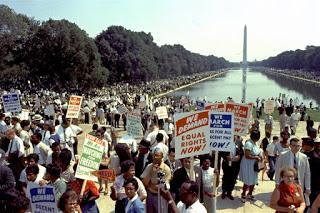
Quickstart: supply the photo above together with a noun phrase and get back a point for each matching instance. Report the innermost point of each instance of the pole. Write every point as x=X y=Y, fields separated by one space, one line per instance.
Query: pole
x=192 y=169
x=83 y=187
x=216 y=153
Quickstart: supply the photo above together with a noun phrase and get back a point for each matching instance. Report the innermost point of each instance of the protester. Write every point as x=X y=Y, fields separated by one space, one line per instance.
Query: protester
x=122 y=154
x=298 y=161
x=52 y=177
x=189 y=199
x=15 y=154
x=144 y=157
x=248 y=171
x=133 y=203
x=69 y=202
x=155 y=172
x=118 y=193
x=283 y=146
x=314 y=162
x=89 y=196
x=231 y=167
x=288 y=196
x=172 y=162
x=104 y=162
x=270 y=152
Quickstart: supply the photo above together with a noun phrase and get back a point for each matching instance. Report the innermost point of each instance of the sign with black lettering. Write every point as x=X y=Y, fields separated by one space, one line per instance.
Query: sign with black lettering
x=221 y=131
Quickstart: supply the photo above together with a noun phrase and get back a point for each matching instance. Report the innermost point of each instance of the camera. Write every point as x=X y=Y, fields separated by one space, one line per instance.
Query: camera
x=160 y=174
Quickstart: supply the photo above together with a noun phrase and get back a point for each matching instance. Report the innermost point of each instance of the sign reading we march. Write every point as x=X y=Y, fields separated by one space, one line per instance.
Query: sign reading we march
x=74 y=106
x=90 y=158
x=11 y=102
x=221 y=131
x=192 y=134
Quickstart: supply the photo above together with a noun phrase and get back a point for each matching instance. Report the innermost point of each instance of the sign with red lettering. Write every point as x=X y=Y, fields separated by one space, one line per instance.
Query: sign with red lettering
x=217 y=107
x=241 y=117
x=162 y=112
x=105 y=174
x=192 y=134
x=74 y=106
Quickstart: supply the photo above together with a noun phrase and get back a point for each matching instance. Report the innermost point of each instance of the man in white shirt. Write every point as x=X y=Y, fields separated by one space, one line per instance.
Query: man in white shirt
x=296 y=159
x=3 y=125
x=66 y=135
x=270 y=152
x=32 y=159
x=41 y=149
x=160 y=145
x=189 y=199
x=15 y=154
x=169 y=128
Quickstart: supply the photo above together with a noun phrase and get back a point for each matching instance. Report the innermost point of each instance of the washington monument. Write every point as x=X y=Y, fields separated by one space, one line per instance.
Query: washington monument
x=244 y=65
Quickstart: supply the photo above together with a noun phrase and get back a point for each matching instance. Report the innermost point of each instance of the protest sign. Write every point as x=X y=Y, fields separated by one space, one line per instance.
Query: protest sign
x=217 y=107
x=269 y=106
x=192 y=134
x=49 y=110
x=42 y=199
x=162 y=112
x=134 y=125
x=24 y=115
x=11 y=102
x=200 y=105
x=105 y=174
x=122 y=109
x=241 y=117
x=74 y=106
x=90 y=158
x=221 y=131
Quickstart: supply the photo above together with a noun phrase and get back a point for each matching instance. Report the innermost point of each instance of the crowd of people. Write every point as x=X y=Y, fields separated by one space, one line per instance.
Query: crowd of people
x=42 y=149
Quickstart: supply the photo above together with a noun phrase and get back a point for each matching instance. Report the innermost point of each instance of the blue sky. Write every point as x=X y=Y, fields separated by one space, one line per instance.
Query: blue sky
x=201 y=26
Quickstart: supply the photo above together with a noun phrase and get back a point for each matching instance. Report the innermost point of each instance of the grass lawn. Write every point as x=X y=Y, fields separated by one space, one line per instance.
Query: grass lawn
x=314 y=113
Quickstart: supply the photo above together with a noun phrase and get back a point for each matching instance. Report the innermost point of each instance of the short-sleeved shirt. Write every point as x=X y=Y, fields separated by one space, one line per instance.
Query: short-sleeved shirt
x=196 y=207
x=150 y=176
x=23 y=174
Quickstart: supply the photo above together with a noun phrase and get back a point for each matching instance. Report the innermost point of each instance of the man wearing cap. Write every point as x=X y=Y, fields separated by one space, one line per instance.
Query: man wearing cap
x=314 y=161
x=297 y=160
x=144 y=157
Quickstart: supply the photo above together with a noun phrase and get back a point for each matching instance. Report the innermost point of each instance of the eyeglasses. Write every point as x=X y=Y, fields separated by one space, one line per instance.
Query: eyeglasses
x=72 y=203
x=297 y=146
x=289 y=176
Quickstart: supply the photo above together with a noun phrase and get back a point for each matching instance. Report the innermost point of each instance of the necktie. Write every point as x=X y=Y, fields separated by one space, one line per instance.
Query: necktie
x=295 y=164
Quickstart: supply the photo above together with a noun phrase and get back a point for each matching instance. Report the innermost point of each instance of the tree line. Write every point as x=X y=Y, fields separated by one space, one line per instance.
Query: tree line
x=307 y=60
x=58 y=54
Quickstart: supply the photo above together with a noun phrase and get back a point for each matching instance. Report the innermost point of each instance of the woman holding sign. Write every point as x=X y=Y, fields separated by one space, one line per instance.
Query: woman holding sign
x=248 y=166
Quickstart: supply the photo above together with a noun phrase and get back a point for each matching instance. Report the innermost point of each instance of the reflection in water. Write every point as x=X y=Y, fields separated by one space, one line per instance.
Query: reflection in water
x=308 y=89
x=258 y=84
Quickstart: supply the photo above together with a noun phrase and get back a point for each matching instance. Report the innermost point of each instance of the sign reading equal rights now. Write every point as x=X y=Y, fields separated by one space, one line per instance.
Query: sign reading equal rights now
x=192 y=134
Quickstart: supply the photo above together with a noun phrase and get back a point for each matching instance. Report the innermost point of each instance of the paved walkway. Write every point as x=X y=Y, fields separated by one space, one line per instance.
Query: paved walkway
x=262 y=191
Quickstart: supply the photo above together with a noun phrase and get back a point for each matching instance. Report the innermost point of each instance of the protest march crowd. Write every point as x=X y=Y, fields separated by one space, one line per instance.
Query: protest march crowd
x=169 y=159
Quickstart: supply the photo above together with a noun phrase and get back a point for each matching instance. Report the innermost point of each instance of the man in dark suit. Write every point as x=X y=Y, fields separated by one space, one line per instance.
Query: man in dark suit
x=179 y=177
x=172 y=162
x=144 y=157
x=231 y=167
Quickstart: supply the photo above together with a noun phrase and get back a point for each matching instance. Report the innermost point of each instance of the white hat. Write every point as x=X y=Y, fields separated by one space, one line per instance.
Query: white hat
x=37 y=117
